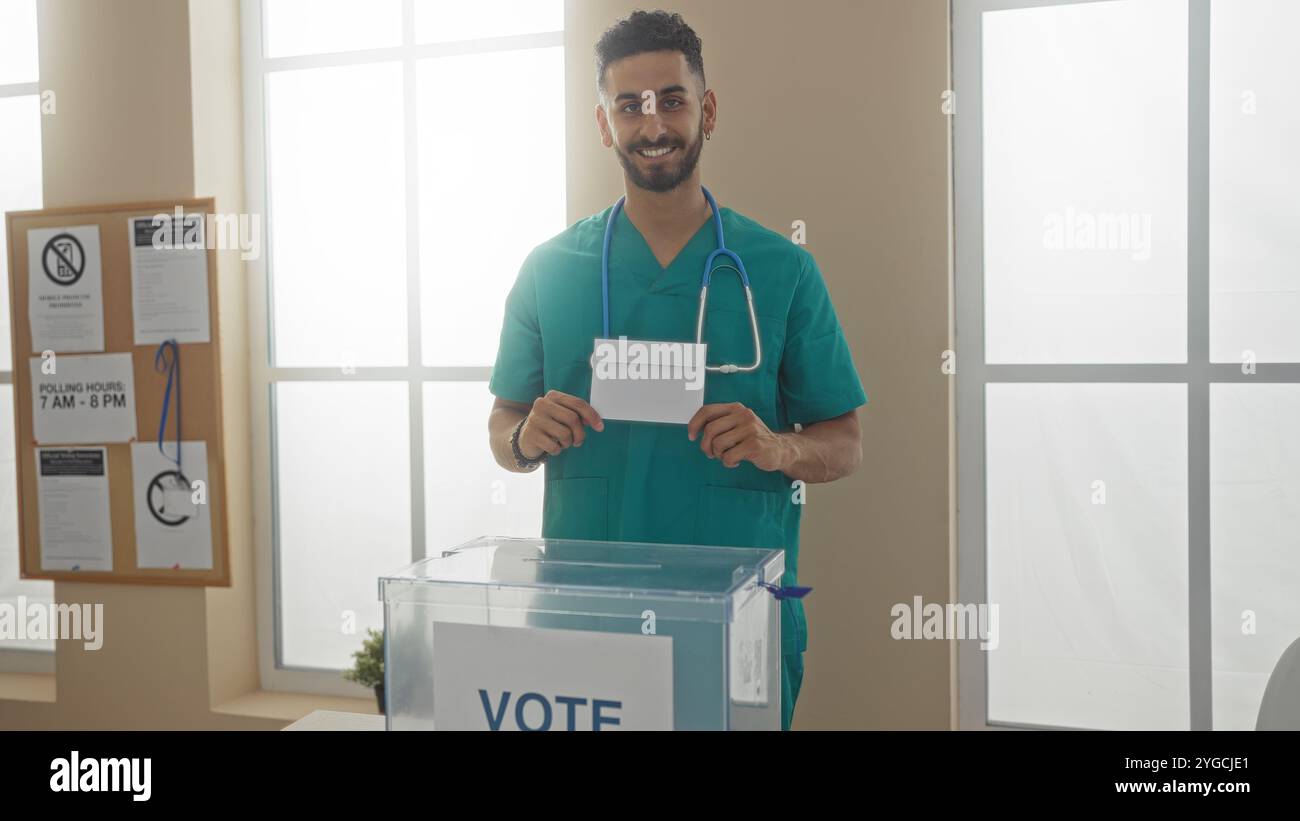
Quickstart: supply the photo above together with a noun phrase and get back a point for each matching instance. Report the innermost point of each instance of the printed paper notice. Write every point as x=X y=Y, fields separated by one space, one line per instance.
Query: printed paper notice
x=749 y=651
x=72 y=494
x=169 y=279
x=65 y=289
x=83 y=399
x=488 y=677
x=173 y=522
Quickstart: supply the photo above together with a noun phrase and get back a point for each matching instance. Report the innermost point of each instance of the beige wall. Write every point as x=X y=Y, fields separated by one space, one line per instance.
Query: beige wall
x=828 y=112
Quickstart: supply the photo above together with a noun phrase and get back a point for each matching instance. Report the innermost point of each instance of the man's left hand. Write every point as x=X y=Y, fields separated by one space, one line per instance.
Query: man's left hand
x=734 y=433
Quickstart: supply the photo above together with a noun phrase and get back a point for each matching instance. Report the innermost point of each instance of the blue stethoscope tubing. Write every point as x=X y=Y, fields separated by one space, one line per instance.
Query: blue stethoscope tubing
x=722 y=251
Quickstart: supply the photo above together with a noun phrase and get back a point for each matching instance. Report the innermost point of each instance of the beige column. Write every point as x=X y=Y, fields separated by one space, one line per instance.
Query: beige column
x=829 y=112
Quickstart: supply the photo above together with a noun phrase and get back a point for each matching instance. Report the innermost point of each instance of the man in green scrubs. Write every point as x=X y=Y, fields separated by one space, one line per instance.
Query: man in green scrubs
x=731 y=476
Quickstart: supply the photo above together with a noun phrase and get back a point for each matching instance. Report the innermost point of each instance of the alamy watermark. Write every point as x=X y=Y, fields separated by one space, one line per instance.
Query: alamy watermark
x=635 y=360
x=38 y=621
x=1073 y=230
x=126 y=775
x=222 y=232
x=920 y=620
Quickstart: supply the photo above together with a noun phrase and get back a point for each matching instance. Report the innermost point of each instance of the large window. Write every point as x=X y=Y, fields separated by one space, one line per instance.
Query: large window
x=407 y=155
x=20 y=189
x=1128 y=329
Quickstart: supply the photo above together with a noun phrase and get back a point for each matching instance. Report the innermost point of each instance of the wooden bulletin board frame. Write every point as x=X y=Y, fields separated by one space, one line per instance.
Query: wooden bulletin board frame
x=201 y=392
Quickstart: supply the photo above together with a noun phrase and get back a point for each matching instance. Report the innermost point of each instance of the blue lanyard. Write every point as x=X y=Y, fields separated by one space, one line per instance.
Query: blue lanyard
x=721 y=251
x=172 y=365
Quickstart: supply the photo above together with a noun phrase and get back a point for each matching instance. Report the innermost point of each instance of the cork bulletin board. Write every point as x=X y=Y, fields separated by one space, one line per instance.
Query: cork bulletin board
x=200 y=394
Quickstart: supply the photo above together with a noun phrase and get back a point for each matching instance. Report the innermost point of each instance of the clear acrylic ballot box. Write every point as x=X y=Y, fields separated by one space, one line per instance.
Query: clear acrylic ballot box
x=555 y=634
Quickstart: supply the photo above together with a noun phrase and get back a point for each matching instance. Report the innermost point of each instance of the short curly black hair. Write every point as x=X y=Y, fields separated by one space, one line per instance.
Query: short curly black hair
x=643 y=31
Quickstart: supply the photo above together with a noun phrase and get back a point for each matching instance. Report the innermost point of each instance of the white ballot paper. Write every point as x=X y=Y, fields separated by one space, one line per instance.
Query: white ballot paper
x=83 y=399
x=644 y=381
x=173 y=521
x=65 y=288
x=169 y=279
x=72 y=494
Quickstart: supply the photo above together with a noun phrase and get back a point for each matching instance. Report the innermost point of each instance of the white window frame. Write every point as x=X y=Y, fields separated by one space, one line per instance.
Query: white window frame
x=263 y=377
x=20 y=659
x=1198 y=373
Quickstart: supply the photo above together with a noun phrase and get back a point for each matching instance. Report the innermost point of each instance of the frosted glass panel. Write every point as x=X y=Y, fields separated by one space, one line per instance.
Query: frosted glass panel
x=467 y=494
x=11 y=587
x=20 y=185
x=1087 y=554
x=324 y=26
x=489 y=192
x=343 y=511
x=338 y=217
x=1085 y=183
x=440 y=21
x=18 y=60
x=1254 y=181
x=1254 y=541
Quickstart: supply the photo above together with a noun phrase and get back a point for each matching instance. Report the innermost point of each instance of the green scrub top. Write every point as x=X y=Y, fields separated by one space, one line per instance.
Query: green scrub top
x=646 y=482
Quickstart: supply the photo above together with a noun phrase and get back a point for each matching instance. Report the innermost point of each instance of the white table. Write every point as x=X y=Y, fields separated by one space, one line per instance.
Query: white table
x=334 y=720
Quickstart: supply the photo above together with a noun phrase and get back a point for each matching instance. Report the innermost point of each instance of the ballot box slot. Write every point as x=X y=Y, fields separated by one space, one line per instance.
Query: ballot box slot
x=609 y=565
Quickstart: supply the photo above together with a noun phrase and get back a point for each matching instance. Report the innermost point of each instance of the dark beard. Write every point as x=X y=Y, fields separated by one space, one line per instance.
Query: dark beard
x=664 y=179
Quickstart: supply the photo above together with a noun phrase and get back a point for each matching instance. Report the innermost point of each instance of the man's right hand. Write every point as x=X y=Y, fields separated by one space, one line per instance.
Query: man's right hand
x=556 y=422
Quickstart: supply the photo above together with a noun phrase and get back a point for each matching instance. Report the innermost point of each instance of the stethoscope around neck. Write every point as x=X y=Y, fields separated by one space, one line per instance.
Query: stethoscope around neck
x=722 y=251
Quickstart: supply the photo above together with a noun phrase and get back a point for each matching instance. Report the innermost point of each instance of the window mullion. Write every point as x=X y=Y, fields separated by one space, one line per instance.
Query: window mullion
x=414 y=354
x=1200 y=665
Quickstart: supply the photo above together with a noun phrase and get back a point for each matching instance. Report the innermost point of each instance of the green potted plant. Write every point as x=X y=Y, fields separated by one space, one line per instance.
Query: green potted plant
x=368 y=665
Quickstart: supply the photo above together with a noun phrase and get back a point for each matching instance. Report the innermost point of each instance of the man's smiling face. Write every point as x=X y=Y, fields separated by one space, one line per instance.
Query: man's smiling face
x=658 y=150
